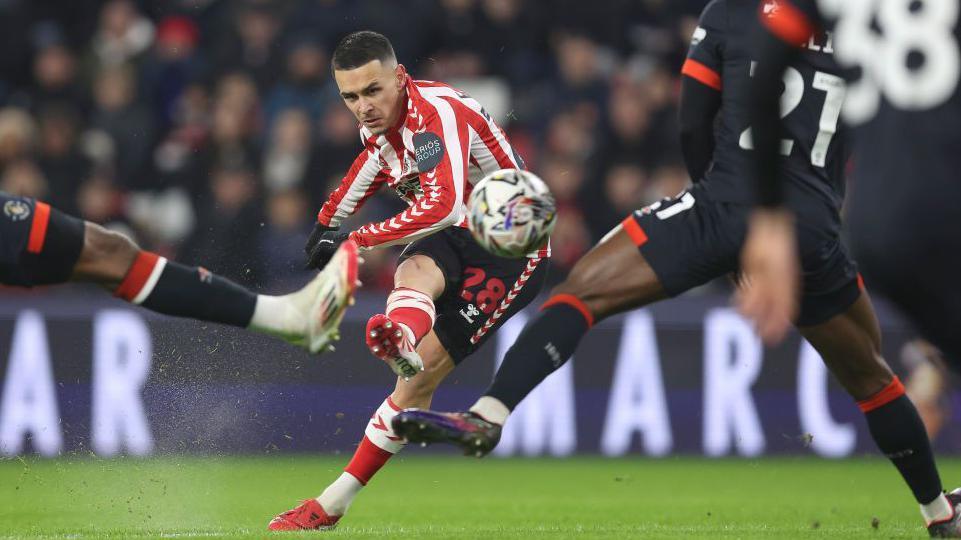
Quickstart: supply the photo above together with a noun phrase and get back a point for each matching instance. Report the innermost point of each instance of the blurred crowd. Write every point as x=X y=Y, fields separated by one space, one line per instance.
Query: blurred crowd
x=212 y=131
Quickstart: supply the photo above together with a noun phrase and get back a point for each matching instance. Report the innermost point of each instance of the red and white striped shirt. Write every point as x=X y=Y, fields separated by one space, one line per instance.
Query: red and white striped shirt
x=443 y=143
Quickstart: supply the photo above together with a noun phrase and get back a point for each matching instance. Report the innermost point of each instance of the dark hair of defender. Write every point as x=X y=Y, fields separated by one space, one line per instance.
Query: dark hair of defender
x=359 y=48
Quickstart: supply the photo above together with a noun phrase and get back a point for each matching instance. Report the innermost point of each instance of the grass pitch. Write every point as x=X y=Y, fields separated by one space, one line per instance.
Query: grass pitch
x=454 y=497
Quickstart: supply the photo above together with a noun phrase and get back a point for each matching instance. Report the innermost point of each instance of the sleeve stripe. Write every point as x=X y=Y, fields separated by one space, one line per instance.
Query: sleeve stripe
x=788 y=23
x=454 y=149
x=354 y=189
x=38 y=228
x=359 y=187
x=701 y=73
x=490 y=134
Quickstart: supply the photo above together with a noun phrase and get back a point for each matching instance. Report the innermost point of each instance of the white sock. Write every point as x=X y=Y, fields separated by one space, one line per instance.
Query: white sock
x=491 y=409
x=275 y=315
x=378 y=436
x=937 y=510
x=337 y=497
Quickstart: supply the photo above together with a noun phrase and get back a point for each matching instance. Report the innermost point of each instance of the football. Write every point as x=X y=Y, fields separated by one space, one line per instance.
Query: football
x=511 y=213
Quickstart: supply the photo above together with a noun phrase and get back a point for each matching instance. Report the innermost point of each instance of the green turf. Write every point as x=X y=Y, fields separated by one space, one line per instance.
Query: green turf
x=452 y=497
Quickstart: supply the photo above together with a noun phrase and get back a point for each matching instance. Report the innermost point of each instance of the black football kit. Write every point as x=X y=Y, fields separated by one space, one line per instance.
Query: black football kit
x=902 y=65
x=39 y=245
x=697 y=236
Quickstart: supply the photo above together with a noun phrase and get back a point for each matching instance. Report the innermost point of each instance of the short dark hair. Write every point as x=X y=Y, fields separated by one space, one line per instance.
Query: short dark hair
x=360 y=48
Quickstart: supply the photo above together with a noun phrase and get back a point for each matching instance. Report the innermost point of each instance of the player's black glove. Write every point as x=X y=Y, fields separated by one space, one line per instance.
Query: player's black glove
x=322 y=245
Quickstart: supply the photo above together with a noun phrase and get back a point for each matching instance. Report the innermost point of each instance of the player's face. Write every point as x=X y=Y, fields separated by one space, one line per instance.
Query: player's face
x=373 y=93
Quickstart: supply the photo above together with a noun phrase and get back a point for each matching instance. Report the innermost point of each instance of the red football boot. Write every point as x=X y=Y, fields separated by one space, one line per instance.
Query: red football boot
x=394 y=344
x=310 y=515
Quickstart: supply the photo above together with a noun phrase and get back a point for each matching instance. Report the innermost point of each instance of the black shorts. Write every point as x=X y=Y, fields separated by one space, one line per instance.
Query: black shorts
x=39 y=245
x=691 y=239
x=482 y=290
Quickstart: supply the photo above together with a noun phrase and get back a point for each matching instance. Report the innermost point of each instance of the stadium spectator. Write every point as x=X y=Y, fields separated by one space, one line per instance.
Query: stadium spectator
x=123 y=36
x=129 y=123
x=23 y=177
x=251 y=45
x=667 y=181
x=566 y=177
x=235 y=121
x=329 y=20
x=306 y=84
x=228 y=225
x=623 y=191
x=54 y=69
x=174 y=156
x=288 y=224
x=100 y=202
x=287 y=156
x=131 y=109
x=59 y=155
x=517 y=56
x=18 y=133
x=171 y=65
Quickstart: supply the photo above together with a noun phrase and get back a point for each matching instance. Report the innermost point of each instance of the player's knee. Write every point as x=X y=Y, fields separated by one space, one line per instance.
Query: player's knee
x=111 y=252
x=865 y=380
x=420 y=273
x=580 y=287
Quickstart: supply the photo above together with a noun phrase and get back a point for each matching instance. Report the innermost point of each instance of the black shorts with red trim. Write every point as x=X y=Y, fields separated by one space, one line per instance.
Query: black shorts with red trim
x=692 y=239
x=482 y=290
x=39 y=245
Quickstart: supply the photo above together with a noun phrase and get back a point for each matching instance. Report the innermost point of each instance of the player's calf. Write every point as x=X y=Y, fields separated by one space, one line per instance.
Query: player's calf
x=380 y=441
x=849 y=342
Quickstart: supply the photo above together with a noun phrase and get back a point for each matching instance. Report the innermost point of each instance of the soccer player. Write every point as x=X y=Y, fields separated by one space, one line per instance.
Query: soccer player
x=679 y=243
x=39 y=245
x=428 y=142
x=904 y=104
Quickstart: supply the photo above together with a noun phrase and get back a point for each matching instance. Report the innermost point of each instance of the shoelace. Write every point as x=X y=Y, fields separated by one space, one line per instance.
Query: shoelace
x=295 y=513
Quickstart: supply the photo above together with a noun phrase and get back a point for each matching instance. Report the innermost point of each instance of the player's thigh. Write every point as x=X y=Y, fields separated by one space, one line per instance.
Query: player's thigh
x=613 y=277
x=39 y=245
x=850 y=345
x=434 y=259
x=660 y=251
x=419 y=389
x=421 y=273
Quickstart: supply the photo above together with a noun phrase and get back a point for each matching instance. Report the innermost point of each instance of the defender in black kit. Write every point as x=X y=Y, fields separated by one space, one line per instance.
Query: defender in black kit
x=681 y=242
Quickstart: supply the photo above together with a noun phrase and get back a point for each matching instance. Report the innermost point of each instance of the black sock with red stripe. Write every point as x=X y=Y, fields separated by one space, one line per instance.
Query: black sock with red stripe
x=899 y=433
x=174 y=289
x=544 y=346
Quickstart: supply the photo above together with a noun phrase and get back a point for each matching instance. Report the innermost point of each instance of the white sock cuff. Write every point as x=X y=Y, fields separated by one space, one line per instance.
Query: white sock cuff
x=269 y=312
x=379 y=430
x=937 y=510
x=491 y=409
x=336 y=499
